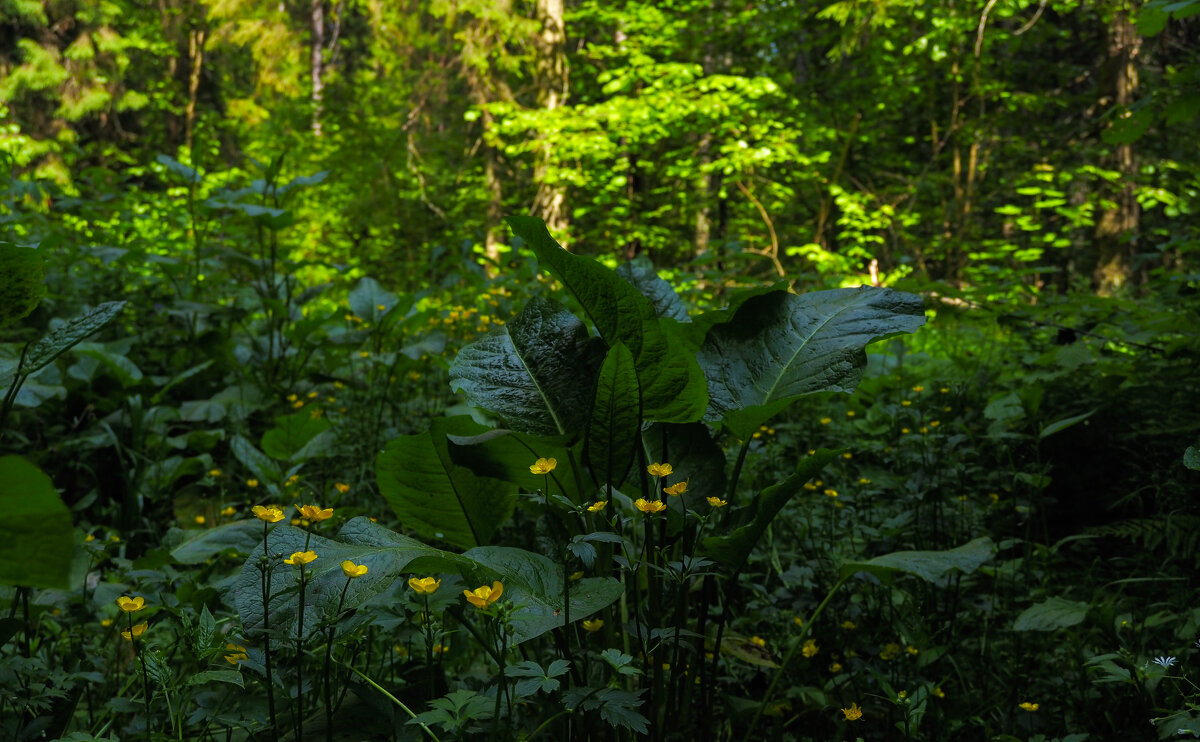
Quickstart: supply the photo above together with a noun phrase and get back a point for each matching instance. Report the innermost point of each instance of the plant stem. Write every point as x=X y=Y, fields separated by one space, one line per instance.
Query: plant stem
x=328 y=657
x=300 y=661
x=266 y=592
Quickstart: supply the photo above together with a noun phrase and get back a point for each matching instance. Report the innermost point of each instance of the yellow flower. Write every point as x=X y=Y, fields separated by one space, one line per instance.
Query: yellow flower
x=864 y=480
x=543 y=466
x=938 y=692
x=424 y=585
x=798 y=621
x=131 y=605
x=890 y=652
x=850 y=413
x=299 y=522
x=906 y=403
x=236 y=657
x=835 y=668
x=214 y=472
x=298 y=404
x=902 y=695
x=918 y=389
x=1028 y=706
x=364 y=353
x=315 y=513
x=576 y=576
x=904 y=431
x=847 y=455
x=301 y=558
x=269 y=513
x=810 y=486
x=339 y=385
x=292 y=397
x=314 y=394
x=677 y=489
x=826 y=420
x=717 y=502
x=912 y=650
x=200 y=520
x=593 y=624
x=90 y=537
x=758 y=640
x=439 y=649
x=353 y=570
x=849 y=625
x=854 y=713
x=229 y=510
x=106 y=622
x=342 y=487
x=934 y=423
x=810 y=648
x=649 y=506
x=597 y=506
x=292 y=480
x=251 y=483
x=831 y=492
x=483 y=596
x=660 y=470
x=140 y=629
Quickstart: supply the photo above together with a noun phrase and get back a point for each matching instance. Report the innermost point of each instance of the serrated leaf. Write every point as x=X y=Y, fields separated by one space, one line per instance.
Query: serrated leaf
x=531 y=581
x=928 y=565
x=734 y=549
x=1051 y=615
x=780 y=346
x=535 y=373
x=672 y=383
x=616 y=420
x=437 y=497
x=68 y=335
x=36 y=536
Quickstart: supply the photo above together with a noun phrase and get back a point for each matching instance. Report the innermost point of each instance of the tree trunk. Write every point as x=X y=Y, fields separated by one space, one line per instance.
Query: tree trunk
x=196 y=51
x=550 y=75
x=1116 y=229
x=318 y=46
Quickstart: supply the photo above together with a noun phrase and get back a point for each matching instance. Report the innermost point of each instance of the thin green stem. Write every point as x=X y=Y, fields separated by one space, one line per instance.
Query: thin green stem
x=328 y=657
x=391 y=698
x=266 y=598
x=300 y=660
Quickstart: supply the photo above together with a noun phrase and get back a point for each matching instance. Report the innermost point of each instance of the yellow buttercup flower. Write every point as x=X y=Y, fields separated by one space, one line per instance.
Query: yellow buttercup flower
x=890 y=651
x=200 y=519
x=717 y=502
x=912 y=650
x=269 y=513
x=543 y=466
x=1028 y=706
x=810 y=648
x=758 y=640
x=342 y=487
x=677 y=489
x=315 y=513
x=136 y=631
x=649 y=506
x=849 y=625
x=854 y=713
x=938 y=692
x=214 y=472
x=251 y=483
x=229 y=510
x=353 y=570
x=597 y=506
x=483 y=596
x=424 y=585
x=439 y=649
x=593 y=625
x=576 y=576
x=826 y=420
x=131 y=605
x=301 y=558
x=660 y=470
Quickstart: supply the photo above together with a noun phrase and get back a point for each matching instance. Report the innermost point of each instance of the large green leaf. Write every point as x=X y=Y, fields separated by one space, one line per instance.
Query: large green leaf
x=536 y=373
x=780 y=346
x=63 y=338
x=507 y=455
x=695 y=456
x=1051 y=615
x=259 y=464
x=291 y=434
x=734 y=549
x=640 y=273
x=673 y=388
x=36 y=537
x=437 y=497
x=239 y=537
x=531 y=581
x=22 y=276
x=616 y=419
x=368 y=296
x=928 y=565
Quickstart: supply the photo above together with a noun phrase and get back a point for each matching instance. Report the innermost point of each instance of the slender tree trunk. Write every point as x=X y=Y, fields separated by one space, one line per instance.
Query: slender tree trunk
x=550 y=73
x=318 y=63
x=196 y=41
x=1116 y=228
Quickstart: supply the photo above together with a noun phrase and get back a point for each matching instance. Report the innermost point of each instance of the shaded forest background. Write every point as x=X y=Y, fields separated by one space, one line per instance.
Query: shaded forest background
x=997 y=147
